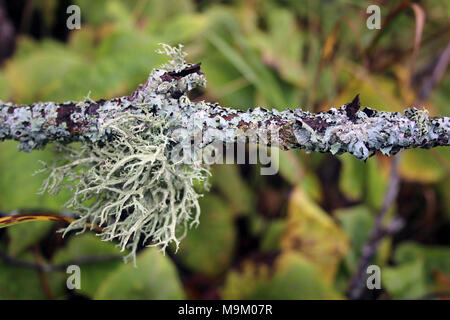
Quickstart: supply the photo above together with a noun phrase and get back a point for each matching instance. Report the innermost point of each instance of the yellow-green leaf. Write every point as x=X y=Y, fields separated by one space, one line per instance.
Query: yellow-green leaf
x=292 y=277
x=313 y=233
x=209 y=247
x=154 y=278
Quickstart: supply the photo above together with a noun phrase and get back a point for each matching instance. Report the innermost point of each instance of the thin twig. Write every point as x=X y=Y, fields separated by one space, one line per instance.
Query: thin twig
x=45 y=267
x=6 y=220
x=436 y=75
x=378 y=233
x=43 y=278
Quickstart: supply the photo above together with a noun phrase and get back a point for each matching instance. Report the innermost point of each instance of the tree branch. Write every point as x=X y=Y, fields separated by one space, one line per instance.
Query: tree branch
x=347 y=129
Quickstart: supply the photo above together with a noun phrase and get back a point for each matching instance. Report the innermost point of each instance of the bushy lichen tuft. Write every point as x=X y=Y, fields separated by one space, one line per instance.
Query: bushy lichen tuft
x=177 y=56
x=129 y=185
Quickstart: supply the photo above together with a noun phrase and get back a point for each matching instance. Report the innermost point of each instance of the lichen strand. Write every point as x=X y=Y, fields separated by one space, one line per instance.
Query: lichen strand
x=129 y=186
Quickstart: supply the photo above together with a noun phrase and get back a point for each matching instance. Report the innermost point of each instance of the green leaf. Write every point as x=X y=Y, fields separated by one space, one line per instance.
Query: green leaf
x=4 y=87
x=18 y=185
x=426 y=166
x=253 y=70
x=35 y=74
x=311 y=184
x=184 y=28
x=356 y=222
x=313 y=233
x=227 y=178
x=92 y=274
x=292 y=277
x=25 y=234
x=291 y=168
x=377 y=183
x=436 y=258
x=380 y=93
x=94 y=11
x=154 y=278
x=351 y=181
x=23 y=283
x=282 y=28
x=162 y=13
x=415 y=272
x=92 y=62
x=406 y=281
x=225 y=82
x=363 y=180
x=208 y=248
x=271 y=237
x=19 y=283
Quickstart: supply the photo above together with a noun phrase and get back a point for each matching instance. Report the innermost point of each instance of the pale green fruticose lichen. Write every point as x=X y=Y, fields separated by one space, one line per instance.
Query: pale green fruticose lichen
x=177 y=56
x=129 y=186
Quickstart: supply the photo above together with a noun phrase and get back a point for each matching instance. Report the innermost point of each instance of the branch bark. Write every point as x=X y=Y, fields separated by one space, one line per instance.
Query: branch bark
x=347 y=129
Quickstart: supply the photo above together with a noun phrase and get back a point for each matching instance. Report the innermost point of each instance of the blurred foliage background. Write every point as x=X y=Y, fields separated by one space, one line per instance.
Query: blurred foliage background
x=294 y=235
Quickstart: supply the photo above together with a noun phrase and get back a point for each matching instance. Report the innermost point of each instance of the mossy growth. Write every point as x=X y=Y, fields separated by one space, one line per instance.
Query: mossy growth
x=129 y=186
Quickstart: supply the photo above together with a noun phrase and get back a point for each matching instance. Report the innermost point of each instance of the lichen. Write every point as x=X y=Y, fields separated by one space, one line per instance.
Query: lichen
x=124 y=177
x=177 y=56
x=421 y=118
x=347 y=129
x=129 y=185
